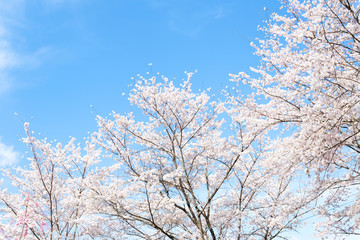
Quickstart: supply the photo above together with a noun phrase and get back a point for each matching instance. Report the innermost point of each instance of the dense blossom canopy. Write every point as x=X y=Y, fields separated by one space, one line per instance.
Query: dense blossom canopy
x=194 y=167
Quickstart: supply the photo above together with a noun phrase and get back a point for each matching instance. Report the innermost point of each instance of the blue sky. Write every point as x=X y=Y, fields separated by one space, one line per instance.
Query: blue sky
x=58 y=57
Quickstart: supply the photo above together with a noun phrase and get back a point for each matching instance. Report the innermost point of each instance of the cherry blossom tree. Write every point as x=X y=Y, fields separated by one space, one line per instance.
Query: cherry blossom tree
x=307 y=91
x=180 y=177
x=49 y=195
x=189 y=166
x=173 y=175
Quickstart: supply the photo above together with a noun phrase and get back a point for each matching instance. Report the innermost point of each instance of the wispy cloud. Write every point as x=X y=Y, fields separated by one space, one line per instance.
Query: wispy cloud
x=9 y=57
x=8 y=60
x=189 y=17
x=56 y=4
x=191 y=22
x=12 y=21
x=8 y=155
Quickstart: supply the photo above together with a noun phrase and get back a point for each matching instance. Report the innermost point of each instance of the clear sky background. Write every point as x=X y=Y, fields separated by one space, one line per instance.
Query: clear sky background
x=58 y=57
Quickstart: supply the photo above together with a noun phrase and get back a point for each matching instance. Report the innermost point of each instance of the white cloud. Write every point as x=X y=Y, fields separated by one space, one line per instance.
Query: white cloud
x=8 y=58
x=5 y=83
x=59 y=1
x=188 y=17
x=190 y=22
x=10 y=15
x=12 y=19
x=56 y=4
x=8 y=155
